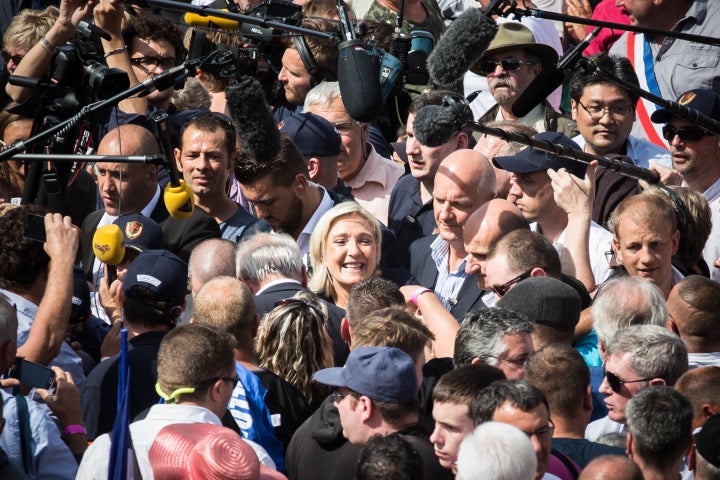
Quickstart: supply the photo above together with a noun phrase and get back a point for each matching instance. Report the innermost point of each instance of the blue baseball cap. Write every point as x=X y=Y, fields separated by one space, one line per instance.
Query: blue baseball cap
x=312 y=134
x=140 y=232
x=704 y=101
x=162 y=273
x=532 y=160
x=385 y=374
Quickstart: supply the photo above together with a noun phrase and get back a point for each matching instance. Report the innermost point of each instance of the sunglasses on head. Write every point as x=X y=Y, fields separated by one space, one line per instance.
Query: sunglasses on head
x=615 y=382
x=692 y=134
x=508 y=64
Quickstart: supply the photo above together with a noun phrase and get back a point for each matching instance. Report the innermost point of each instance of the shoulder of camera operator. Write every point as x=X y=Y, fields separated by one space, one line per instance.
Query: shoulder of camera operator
x=50 y=31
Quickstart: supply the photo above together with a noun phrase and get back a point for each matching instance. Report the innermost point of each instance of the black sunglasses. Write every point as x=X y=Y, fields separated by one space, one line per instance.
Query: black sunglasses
x=234 y=380
x=501 y=290
x=15 y=58
x=508 y=64
x=615 y=382
x=685 y=134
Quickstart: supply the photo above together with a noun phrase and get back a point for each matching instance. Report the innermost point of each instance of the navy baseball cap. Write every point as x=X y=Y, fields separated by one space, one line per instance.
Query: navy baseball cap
x=546 y=301
x=707 y=440
x=705 y=101
x=313 y=135
x=140 y=232
x=162 y=273
x=532 y=160
x=385 y=374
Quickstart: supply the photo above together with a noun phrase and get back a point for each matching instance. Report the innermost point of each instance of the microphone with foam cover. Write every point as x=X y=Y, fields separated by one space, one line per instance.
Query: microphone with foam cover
x=108 y=244
x=435 y=125
x=254 y=122
x=359 y=82
x=462 y=44
x=208 y=21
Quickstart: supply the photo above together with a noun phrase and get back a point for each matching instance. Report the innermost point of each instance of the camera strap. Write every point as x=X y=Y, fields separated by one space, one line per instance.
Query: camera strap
x=25 y=433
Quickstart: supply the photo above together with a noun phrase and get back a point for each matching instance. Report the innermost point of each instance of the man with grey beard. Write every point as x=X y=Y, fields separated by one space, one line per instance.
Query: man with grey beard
x=511 y=63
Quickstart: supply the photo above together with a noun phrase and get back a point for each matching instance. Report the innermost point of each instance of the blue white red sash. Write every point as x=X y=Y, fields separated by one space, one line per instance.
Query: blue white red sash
x=640 y=55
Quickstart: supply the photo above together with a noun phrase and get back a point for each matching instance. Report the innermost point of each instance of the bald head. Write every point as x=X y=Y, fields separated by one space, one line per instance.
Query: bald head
x=611 y=467
x=484 y=228
x=693 y=305
x=127 y=188
x=228 y=304
x=211 y=258
x=129 y=139
x=464 y=181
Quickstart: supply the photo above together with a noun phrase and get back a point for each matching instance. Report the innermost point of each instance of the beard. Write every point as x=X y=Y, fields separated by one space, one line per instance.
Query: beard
x=291 y=223
x=502 y=97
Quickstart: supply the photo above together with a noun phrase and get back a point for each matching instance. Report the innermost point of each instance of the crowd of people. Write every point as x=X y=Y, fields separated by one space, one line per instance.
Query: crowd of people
x=335 y=299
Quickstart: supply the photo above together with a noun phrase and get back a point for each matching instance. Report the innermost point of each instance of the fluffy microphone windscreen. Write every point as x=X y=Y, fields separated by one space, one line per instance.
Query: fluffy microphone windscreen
x=255 y=124
x=464 y=41
x=434 y=125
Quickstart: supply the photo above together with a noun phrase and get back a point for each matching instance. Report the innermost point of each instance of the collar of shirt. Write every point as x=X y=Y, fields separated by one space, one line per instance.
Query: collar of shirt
x=326 y=204
x=272 y=283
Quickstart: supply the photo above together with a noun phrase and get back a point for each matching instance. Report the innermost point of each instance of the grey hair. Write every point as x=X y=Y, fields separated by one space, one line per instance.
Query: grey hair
x=322 y=94
x=660 y=421
x=625 y=301
x=520 y=394
x=267 y=255
x=496 y=451
x=655 y=352
x=481 y=334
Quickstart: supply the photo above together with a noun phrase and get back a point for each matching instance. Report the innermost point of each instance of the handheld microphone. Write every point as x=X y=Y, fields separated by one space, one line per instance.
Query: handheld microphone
x=359 y=82
x=254 y=122
x=208 y=21
x=108 y=244
x=178 y=197
x=550 y=78
x=462 y=44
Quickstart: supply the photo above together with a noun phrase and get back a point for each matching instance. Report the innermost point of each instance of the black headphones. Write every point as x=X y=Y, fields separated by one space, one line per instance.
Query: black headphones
x=317 y=74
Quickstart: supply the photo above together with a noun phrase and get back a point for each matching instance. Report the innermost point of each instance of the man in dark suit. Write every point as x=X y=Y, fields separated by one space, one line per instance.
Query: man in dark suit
x=133 y=188
x=464 y=181
x=271 y=266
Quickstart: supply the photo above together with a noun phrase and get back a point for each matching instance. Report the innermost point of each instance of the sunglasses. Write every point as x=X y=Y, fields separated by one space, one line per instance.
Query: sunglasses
x=501 y=290
x=615 y=382
x=151 y=63
x=508 y=64
x=15 y=58
x=685 y=134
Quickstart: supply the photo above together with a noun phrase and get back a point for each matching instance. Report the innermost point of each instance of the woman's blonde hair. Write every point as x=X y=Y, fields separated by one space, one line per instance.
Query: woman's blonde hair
x=29 y=26
x=321 y=282
x=292 y=342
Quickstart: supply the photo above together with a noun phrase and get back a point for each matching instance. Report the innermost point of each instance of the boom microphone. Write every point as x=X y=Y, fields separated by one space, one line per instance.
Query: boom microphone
x=255 y=124
x=208 y=21
x=435 y=125
x=550 y=78
x=462 y=44
x=359 y=82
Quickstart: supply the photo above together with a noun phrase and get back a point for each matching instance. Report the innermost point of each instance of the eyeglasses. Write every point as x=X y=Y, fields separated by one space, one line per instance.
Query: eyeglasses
x=685 y=134
x=610 y=256
x=345 y=128
x=234 y=380
x=508 y=64
x=596 y=112
x=543 y=433
x=15 y=58
x=151 y=63
x=501 y=290
x=615 y=382
x=518 y=362
x=337 y=396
